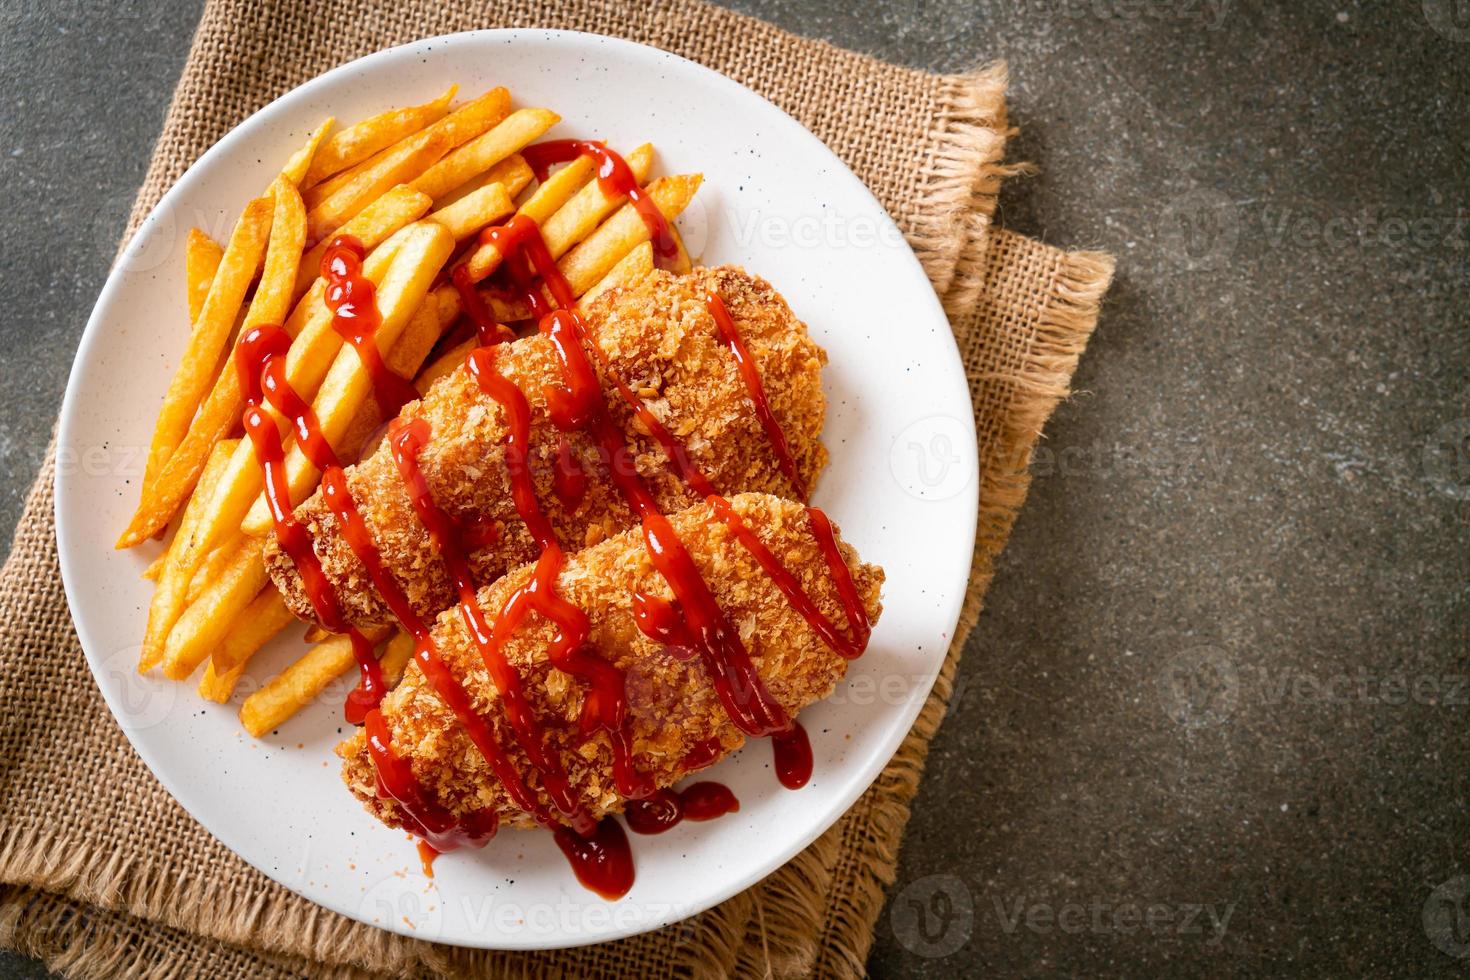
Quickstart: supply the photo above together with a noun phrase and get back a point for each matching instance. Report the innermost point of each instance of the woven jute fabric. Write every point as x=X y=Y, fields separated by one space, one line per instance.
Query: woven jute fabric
x=102 y=874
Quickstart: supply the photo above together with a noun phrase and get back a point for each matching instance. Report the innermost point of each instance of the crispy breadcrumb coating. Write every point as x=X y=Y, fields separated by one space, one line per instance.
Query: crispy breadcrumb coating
x=661 y=341
x=672 y=703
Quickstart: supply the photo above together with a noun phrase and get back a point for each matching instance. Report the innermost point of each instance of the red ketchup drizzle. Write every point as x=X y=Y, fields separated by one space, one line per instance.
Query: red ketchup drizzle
x=616 y=179
x=667 y=807
x=406 y=440
x=579 y=404
x=703 y=754
x=568 y=478
x=793 y=753
x=659 y=619
x=757 y=392
x=487 y=328
x=436 y=825
x=601 y=858
x=351 y=297
x=260 y=360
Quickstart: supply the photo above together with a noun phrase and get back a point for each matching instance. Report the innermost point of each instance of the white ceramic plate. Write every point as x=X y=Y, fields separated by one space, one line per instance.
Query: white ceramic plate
x=902 y=484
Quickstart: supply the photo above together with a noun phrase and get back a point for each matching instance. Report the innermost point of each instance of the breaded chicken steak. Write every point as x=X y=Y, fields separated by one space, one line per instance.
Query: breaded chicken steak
x=672 y=705
x=657 y=338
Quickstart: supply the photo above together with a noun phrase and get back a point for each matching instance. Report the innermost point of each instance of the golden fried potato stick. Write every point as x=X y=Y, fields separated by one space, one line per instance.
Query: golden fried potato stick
x=299 y=684
x=514 y=172
x=155 y=567
x=429 y=322
x=241 y=259
x=373 y=225
x=262 y=619
x=681 y=263
x=347 y=384
x=296 y=167
x=484 y=151
x=219 y=687
x=400 y=163
x=545 y=202
x=630 y=269
x=275 y=291
x=444 y=364
x=474 y=211
x=204 y=625
x=362 y=140
x=202 y=256
x=173 y=579
x=313 y=350
x=574 y=222
x=601 y=250
x=396 y=656
x=212 y=565
x=221 y=410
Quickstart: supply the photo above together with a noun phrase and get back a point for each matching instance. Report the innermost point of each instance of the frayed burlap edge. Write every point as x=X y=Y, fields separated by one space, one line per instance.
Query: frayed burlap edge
x=1063 y=329
x=82 y=941
x=961 y=179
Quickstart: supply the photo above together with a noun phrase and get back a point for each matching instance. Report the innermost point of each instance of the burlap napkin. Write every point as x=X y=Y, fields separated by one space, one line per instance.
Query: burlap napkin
x=104 y=874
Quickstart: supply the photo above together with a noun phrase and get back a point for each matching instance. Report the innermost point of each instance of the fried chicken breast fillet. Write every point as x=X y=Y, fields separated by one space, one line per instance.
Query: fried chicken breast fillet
x=660 y=340
x=672 y=702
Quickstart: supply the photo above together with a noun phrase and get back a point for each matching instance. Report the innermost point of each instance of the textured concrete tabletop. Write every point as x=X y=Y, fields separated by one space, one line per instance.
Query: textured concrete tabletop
x=1213 y=720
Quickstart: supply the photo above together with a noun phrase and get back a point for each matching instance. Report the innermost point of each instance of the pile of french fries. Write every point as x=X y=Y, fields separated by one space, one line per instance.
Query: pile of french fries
x=415 y=186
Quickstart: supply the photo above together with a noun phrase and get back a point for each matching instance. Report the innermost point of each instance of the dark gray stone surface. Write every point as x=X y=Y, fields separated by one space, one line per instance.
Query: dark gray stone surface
x=1212 y=722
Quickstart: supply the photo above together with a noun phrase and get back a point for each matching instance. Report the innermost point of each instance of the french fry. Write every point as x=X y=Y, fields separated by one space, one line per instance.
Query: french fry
x=514 y=172
x=444 y=364
x=429 y=322
x=396 y=656
x=313 y=351
x=474 y=211
x=190 y=383
x=335 y=211
x=316 y=633
x=362 y=140
x=173 y=580
x=579 y=216
x=217 y=687
x=484 y=151
x=682 y=264
x=400 y=163
x=419 y=259
x=296 y=168
x=266 y=616
x=595 y=256
x=212 y=565
x=374 y=224
x=221 y=410
x=274 y=292
x=630 y=269
x=299 y=684
x=549 y=197
x=204 y=625
x=155 y=567
x=202 y=255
